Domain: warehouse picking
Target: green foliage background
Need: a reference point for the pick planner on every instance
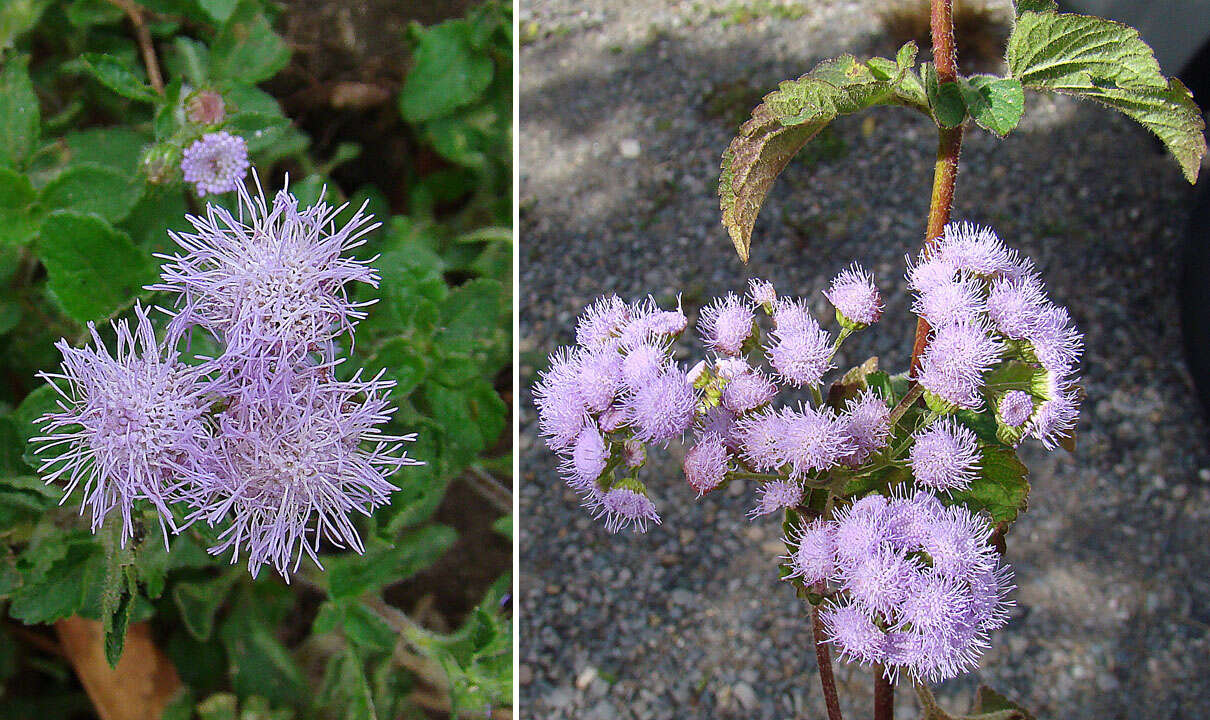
(80, 127)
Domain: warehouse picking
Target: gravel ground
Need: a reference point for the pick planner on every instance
(625, 109)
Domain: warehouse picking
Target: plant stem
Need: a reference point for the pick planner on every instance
(135, 13)
(884, 696)
(949, 145)
(913, 394)
(823, 658)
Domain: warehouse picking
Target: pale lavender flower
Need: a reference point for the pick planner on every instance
(814, 556)
(802, 355)
(1015, 407)
(730, 367)
(854, 634)
(130, 426)
(610, 420)
(602, 321)
(634, 453)
(880, 580)
(810, 439)
(861, 528)
(759, 437)
(762, 293)
(957, 543)
(721, 422)
(866, 422)
(977, 250)
(706, 463)
(1016, 305)
(561, 409)
(272, 283)
(643, 362)
(600, 377)
(587, 459)
(945, 456)
(289, 471)
(792, 315)
(748, 391)
(647, 321)
(854, 294)
(663, 408)
(950, 302)
(929, 273)
(726, 324)
(1056, 341)
(216, 163)
(776, 495)
(957, 356)
(1055, 419)
(622, 507)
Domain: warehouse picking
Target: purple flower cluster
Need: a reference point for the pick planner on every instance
(216, 163)
(914, 585)
(986, 305)
(615, 390)
(262, 440)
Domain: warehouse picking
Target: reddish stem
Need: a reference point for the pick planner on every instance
(823, 658)
(884, 696)
(949, 145)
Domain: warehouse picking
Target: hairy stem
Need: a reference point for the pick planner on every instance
(949, 145)
(135, 13)
(884, 696)
(913, 394)
(823, 658)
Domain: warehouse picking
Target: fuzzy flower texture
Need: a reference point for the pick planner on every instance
(261, 441)
(909, 578)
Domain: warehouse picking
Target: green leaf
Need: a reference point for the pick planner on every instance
(785, 121)
(199, 602)
(258, 661)
(88, 188)
(945, 99)
(16, 191)
(1024, 6)
(504, 526)
(94, 269)
(246, 48)
(996, 104)
(86, 13)
(1109, 63)
(20, 117)
(116, 148)
(1002, 487)
(350, 576)
(18, 17)
(994, 706)
(218, 10)
(448, 72)
(119, 76)
(345, 686)
(367, 629)
(57, 591)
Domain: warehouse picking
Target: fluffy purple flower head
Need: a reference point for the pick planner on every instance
(801, 356)
(748, 391)
(272, 284)
(814, 556)
(811, 439)
(855, 296)
(1055, 419)
(731, 367)
(129, 426)
(1015, 407)
(623, 507)
(978, 250)
(929, 273)
(1016, 305)
(762, 292)
(854, 634)
(602, 321)
(792, 315)
(587, 459)
(706, 463)
(867, 424)
(600, 377)
(759, 436)
(643, 362)
(945, 456)
(1056, 341)
(937, 611)
(216, 163)
(776, 495)
(663, 408)
(561, 409)
(721, 422)
(957, 356)
(290, 470)
(647, 321)
(950, 302)
(726, 324)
